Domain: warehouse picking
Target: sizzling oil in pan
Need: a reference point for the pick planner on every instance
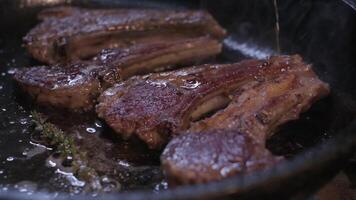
(29, 166)
(26, 166)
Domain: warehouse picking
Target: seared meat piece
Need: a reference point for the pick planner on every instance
(259, 108)
(77, 85)
(72, 33)
(212, 155)
(232, 141)
(156, 106)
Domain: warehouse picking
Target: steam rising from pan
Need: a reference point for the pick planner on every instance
(248, 49)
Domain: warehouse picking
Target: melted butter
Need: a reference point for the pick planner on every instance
(181, 73)
(157, 83)
(191, 84)
(109, 92)
(75, 80)
(71, 178)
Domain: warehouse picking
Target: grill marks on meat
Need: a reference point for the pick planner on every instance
(73, 33)
(232, 141)
(76, 86)
(157, 106)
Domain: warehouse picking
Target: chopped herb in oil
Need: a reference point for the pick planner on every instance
(63, 144)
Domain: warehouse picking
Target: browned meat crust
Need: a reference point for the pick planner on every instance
(156, 106)
(73, 87)
(258, 108)
(232, 141)
(212, 155)
(76, 86)
(72, 33)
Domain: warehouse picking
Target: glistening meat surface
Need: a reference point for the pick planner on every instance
(76, 86)
(212, 155)
(75, 33)
(158, 106)
(232, 141)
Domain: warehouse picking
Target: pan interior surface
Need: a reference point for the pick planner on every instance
(322, 32)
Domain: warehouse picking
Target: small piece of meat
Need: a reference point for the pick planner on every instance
(74, 87)
(68, 33)
(212, 155)
(232, 141)
(157, 106)
(77, 85)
